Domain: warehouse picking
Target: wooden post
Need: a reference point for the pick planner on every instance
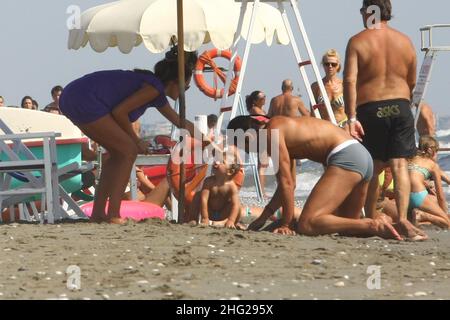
(181, 83)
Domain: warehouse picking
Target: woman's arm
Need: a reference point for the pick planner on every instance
(444, 176)
(136, 100)
(174, 117)
(436, 173)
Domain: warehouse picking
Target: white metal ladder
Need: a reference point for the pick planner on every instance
(237, 103)
(301, 63)
(431, 51)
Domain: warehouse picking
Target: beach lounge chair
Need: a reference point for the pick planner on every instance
(26, 177)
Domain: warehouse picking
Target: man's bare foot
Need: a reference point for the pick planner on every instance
(410, 232)
(385, 230)
(117, 220)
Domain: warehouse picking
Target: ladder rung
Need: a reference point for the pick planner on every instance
(304, 63)
(22, 191)
(317, 106)
(21, 165)
(226, 109)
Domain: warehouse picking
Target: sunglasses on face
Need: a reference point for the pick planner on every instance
(330, 64)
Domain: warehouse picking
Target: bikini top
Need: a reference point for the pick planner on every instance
(426, 173)
(336, 103)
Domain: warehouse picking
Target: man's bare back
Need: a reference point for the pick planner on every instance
(426, 124)
(382, 62)
(287, 105)
(308, 138)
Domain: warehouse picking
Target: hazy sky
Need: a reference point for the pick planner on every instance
(34, 55)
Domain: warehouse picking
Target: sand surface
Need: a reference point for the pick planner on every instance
(160, 260)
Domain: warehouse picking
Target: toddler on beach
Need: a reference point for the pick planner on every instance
(218, 201)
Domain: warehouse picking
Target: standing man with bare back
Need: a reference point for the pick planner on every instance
(286, 104)
(379, 77)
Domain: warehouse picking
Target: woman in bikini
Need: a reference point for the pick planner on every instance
(421, 168)
(331, 62)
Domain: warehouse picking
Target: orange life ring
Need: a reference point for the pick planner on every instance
(195, 173)
(207, 59)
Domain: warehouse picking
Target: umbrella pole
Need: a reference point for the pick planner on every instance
(182, 105)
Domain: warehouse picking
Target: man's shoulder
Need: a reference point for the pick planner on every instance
(278, 97)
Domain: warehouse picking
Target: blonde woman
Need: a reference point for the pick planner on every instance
(331, 62)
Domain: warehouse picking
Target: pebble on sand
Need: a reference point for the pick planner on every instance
(432, 263)
(316, 261)
(420, 294)
(339, 284)
(408, 284)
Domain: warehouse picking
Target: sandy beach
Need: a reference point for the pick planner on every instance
(160, 260)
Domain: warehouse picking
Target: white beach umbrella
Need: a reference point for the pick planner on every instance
(128, 23)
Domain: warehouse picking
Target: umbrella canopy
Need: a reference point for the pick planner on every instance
(128, 23)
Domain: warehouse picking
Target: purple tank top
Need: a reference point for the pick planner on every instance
(108, 88)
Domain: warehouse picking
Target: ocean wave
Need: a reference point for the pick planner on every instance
(443, 133)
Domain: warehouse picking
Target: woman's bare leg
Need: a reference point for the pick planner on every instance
(116, 170)
(431, 207)
(159, 195)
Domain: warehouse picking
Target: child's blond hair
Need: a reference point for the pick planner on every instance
(427, 144)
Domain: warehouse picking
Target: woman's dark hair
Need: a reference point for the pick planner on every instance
(246, 122)
(25, 98)
(251, 99)
(167, 69)
(384, 5)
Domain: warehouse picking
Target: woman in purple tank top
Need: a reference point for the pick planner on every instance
(104, 104)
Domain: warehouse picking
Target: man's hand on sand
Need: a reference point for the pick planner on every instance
(257, 224)
(356, 130)
(384, 229)
(284, 231)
